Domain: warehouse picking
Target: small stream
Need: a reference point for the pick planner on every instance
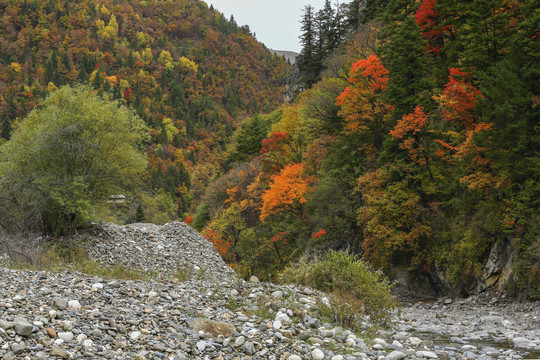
(485, 326)
(491, 347)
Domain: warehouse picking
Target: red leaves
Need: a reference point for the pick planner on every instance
(274, 143)
(411, 124)
(319, 233)
(280, 237)
(459, 99)
(127, 94)
(189, 220)
(362, 105)
(222, 245)
(427, 18)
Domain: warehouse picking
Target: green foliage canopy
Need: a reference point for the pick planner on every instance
(72, 151)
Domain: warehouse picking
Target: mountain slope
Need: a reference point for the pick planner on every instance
(188, 72)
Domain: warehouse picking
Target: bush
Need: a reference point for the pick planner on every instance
(343, 309)
(344, 275)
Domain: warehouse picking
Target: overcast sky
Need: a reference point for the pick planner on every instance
(275, 22)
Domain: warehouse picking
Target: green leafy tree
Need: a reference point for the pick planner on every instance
(249, 139)
(73, 151)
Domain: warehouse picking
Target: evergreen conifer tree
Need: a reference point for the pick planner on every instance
(404, 55)
(139, 214)
(6, 129)
(309, 61)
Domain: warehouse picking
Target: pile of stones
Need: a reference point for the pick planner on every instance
(163, 251)
(216, 315)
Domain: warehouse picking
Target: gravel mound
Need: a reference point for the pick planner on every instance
(216, 315)
(164, 250)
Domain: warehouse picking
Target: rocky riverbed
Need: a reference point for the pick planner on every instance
(215, 315)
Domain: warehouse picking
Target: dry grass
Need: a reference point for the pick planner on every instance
(31, 252)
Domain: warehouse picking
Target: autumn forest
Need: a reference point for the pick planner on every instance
(406, 132)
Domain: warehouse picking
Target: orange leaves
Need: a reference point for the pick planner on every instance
(319, 233)
(222, 245)
(362, 105)
(287, 190)
(413, 122)
(371, 69)
(459, 99)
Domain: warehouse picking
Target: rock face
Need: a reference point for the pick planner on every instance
(215, 315)
(496, 273)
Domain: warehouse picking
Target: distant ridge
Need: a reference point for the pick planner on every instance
(289, 55)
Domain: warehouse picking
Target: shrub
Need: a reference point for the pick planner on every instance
(346, 276)
(343, 309)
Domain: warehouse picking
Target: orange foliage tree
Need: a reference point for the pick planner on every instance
(286, 193)
(362, 104)
(407, 129)
(222, 245)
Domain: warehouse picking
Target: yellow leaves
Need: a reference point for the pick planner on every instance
(15, 68)
(124, 85)
(112, 80)
(169, 128)
(100, 24)
(147, 55)
(391, 217)
(164, 57)
(104, 11)
(187, 65)
(287, 189)
(51, 87)
(142, 38)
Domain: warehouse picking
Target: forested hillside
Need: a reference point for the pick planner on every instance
(411, 138)
(188, 72)
(415, 143)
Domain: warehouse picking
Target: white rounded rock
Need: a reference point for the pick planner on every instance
(74, 304)
(66, 336)
(350, 342)
(317, 354)
(283, 317)
(201, 345)
(136, 335)
(240, 341)
(97, 286)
